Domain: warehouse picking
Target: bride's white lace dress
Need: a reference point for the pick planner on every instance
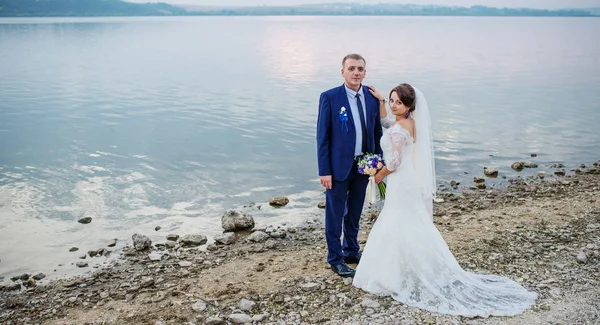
(406, 258)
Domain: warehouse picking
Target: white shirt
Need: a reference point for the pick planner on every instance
(356, 117)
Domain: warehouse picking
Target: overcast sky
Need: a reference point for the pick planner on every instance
(549, 4)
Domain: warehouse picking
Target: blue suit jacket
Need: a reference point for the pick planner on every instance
(335, 144)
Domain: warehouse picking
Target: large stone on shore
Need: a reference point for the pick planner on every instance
(246, 305)
(39, 276)
(74, 283)
(213, 320)
(155, 256)
(234, 220)
(369, 303)
(271, 244)
(490, 172)
(240, 319)
(276, 232)
(310, 286)
(147, 282)
(13, 287)
(518, 166)
(193, 240)
(141, 242)
(112, 243)
(279, 201)
(582, 258)
(85, 220)
(185, 263)
(225, 239)
(478, 180)
(199, 306)
(258, 237)
(594, 171)
(454, 184)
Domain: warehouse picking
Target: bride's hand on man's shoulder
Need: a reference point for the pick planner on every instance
(375, 92)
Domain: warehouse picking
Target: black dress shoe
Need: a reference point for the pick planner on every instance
(352, 259)
(343, 270)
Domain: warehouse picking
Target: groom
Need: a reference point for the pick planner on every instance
(348, 126)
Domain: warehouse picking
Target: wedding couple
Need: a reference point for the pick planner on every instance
(405, 256)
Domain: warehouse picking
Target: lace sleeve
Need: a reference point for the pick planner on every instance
(398, 137)
(388, 121)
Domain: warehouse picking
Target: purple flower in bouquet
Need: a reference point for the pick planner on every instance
(369, 164)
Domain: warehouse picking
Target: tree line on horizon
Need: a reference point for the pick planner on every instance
(78, 8)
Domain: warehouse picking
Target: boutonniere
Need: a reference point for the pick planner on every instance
(344, 118)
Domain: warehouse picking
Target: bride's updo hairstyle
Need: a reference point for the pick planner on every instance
(406, 93)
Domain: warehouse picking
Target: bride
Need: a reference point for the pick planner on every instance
(405, 256)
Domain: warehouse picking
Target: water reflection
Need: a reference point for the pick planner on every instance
(290, 53)
(159, 121)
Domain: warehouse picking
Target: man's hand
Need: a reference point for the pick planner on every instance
(326, 181)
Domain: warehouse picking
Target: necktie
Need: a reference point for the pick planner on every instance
(362, 123)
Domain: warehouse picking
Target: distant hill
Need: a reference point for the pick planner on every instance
(593, 11)
(382, 9)
(61, 8)
(87, 8)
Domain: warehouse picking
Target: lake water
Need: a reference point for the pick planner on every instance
(144, 122)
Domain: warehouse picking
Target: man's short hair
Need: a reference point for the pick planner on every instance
(353, 56)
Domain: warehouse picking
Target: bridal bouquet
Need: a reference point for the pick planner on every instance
(369, 164)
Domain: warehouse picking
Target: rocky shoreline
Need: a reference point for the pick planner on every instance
(544, 233)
